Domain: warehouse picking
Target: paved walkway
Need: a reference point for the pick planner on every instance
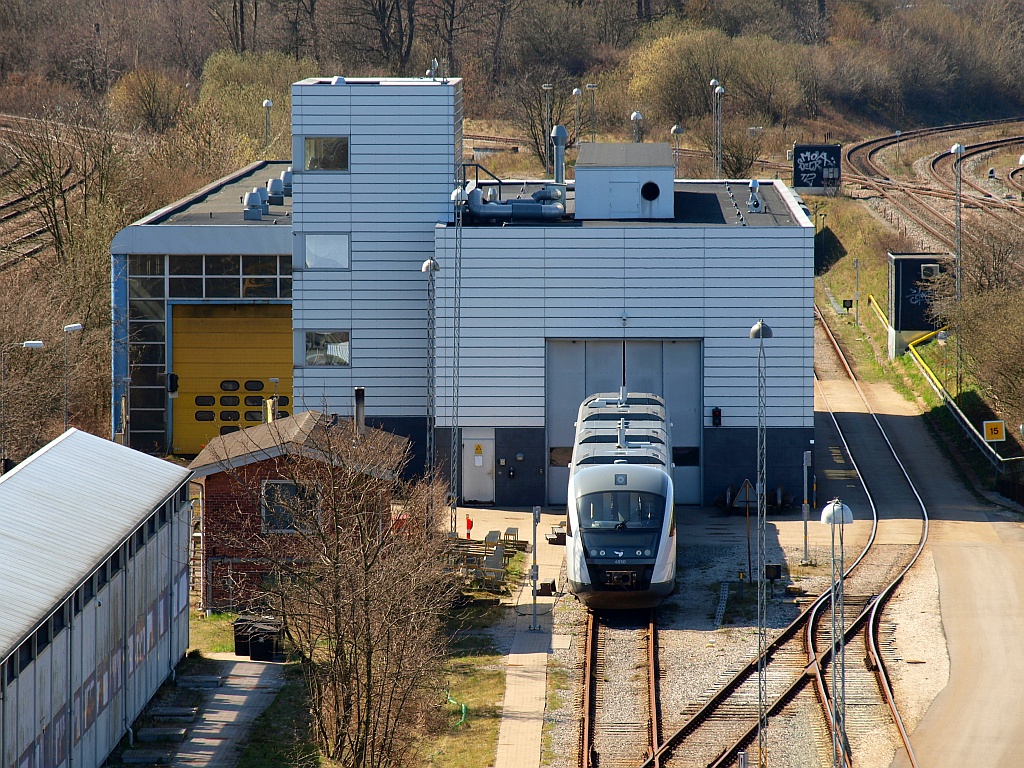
(522, 718)
(215, 739)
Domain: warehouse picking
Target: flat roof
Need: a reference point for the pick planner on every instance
(697, 203)
(620, 155)
(62, 512)
(220, 203)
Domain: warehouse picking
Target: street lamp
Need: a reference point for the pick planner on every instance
(576, 95)
(638, 127)
(68, 329)
(761, 331)
(1020, 162)
(717, 91)
(832, 514)
(898, 132)
(3, 394)
(267, 104)
(430, 268)
(957, 150)
(592, 87)
(547, 88)
(676, 132)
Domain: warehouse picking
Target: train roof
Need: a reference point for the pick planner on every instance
(622, 427)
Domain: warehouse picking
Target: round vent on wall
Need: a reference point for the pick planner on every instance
(650, 191)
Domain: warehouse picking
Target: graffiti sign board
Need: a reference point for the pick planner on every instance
(817, 168)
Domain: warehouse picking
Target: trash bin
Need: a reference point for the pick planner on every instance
(264, 639)
(243, 630)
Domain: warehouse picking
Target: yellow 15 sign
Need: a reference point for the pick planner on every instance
(995, 431)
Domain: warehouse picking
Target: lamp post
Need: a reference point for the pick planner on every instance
(676, 132)
(1020, 178)
(717, 92)
(267, 104)
(832, 514)
(68, 329)
(430, 268)
(761, 331)
(957, 150)
(576, 95)
(637, 120)
(898, 132)
(3, 394)
(547, 88)
(592, 87)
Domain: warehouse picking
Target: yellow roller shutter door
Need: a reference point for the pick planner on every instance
(225, 356)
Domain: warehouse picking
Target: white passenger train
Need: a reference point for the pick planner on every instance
(621, 531)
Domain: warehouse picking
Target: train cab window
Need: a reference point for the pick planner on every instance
(621, 510)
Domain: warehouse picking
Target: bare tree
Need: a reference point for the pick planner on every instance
(352, 558)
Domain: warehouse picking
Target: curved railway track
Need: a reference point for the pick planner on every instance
(926, 204)
(714, 731)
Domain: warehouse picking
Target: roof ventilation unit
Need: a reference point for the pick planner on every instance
(286, 179)
(253, 210)
(754, 201)
(275, 192)
(264, 199)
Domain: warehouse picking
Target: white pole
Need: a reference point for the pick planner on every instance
(536, 519)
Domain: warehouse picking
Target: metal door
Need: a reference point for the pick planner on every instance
(478, 470)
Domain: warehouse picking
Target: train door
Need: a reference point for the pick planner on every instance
(478, 466)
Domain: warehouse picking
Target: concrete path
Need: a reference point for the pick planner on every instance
(522, 717)
(216, 737)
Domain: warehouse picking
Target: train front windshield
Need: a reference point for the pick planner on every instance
(621, 510)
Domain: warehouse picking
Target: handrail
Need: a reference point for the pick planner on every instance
(991, 454)
(479, 168)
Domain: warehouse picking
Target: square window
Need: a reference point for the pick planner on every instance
(223, 265)
(326, 251)
(326, 153)
(280, 504)
(327, 348)
(222, 287)
(145, 264)
(185, 265)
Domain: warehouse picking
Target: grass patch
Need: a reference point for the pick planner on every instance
(477, 680)
(558, 692)
(212, 634)
(282, 734)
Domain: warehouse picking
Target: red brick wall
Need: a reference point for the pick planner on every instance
(231, 514)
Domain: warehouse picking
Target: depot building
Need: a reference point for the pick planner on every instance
(378, 258)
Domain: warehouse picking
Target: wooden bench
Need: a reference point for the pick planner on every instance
(557, 535)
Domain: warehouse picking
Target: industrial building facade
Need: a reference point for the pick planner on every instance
(94, 584)
(557, 289)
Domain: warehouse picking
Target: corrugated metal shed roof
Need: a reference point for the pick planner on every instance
(62, 511)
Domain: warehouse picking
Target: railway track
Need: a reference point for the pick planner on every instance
(798, 661)
(620, 722)
(928, 205)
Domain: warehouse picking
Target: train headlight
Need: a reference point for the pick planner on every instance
(647, 553)
(593, 553)
(638, 553)
(602, 553)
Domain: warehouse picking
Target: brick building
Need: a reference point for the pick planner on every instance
(246, 489)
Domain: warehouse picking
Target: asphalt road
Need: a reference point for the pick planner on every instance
(978, 551)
